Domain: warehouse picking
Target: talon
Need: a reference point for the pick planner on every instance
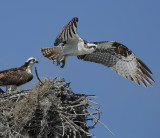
(62, 66)
(58, 63)
(63, 63)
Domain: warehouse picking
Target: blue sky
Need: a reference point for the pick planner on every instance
(128, 110)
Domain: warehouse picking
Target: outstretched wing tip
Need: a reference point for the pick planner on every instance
(76, 19)
(67, 32)
(144, 66)
(143, 74)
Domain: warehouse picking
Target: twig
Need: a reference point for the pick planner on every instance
(103, 125)
(38, 76)
(93, 102)
(95, 122)
(86, 114)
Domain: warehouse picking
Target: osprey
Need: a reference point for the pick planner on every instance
(109, 53)
(14, 77)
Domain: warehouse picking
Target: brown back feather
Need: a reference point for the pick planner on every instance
(15, 76)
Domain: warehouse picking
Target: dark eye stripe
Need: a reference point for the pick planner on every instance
(32, 60)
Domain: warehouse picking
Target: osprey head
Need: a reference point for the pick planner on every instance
(32, 60)
(91, 45)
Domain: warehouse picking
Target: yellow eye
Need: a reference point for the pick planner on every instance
(33, 60)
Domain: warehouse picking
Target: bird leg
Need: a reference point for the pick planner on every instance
(60, 59)
(58, 62)
(19, 88)
(64, 61)
(10, 88)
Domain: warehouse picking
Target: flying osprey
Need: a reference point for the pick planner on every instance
(109, 53)
(14, 77)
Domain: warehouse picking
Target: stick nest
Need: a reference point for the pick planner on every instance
(50, 110)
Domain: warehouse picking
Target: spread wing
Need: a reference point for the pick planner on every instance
(14, 77)
(68, 34)
(119, 58)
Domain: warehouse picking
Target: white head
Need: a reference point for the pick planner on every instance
(31, 61)
(91, 45)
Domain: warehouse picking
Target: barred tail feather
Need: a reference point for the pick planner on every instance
(51, 52)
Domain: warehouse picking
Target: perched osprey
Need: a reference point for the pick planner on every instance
(14, 77)
(109, 53)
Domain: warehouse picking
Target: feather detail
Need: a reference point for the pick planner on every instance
(68, 33)
(123, 61)
(52, 52)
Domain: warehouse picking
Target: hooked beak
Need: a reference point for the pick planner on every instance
(36, 61)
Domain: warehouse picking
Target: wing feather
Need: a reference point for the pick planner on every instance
(51, 52)
(144, 77)
(14, 77)
(136, 80)
(69, 33)
(120, 59)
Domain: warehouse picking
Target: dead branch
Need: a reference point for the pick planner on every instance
(38, 76)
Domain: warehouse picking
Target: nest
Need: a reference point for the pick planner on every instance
(49, 110)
